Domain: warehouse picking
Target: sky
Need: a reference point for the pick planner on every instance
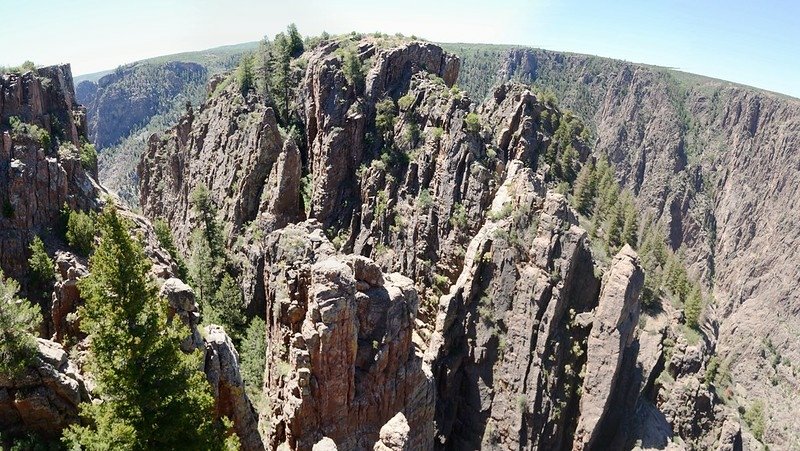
(749, 42)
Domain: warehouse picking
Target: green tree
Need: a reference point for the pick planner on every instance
(613, 229)
(81, 230)
(88, 155)
(226, 308)
(41, 266)
(153, 395)
(353, 68)
(295, 41)
(19, 320)
(584, 193)
(245, 76)
(630, 222)
(569, 158)
(473, 123)
(254, 359)
(693, 308)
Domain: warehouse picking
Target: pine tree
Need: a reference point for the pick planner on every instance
(584, 193)
(254, 359)
(19, 319)
(295, 41)
(613, 229)
(693, 308)
(226, 308)
(280, 85)
(568, 160)
(244, 75)
(153, 395)
(41, 266)
(630, 222)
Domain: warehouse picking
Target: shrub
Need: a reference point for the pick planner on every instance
(425, 200)
(81, 230)
(88, 155)
(352, 66)
(19, 319)
(42, 269)
(459, 217)
(406, 102)
(385, 117)
(473, 123)
(22, 130)
(754, 417)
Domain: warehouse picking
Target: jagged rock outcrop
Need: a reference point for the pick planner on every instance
(181, 300)
(715, 163)
(338, 113)
(394, 435)
(40, 168)
(45, 398)
(222, 370)
(341, 356)
(233, 146)
(66, 296)
(611, 354)
(438, 196)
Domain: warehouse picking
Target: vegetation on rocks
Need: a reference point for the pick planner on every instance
(19, 321)
(81, 230)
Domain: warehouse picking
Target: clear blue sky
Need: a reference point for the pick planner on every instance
(754, 43)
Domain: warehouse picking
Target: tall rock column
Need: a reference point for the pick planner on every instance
(611, 352)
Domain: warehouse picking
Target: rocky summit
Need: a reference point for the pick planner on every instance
(355, 253)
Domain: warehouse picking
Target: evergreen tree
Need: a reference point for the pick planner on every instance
(42, 268)
(613, 229)
(254, 359)
(244, 75)
(226, 308)
(693, 308)
(630, 222)
(153, 395)
(280, 84)
(569, 159)
(584, 193)
(263, 64)
(295, 41)
(19, 320)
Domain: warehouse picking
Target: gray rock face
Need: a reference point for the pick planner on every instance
(716, 163)
(231, 146)
(66, 296)
(45, 398)
(338, 114)
(609, 347)
(222, 370)
(181, 301)
(37, 178)
(341, 358)
(119, 101)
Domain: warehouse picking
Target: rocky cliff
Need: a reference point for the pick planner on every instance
(42, 127)
(716, 165)
(44, 174)
(124, 107)
(424, 285)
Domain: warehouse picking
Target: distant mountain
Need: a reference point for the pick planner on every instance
(128, 104)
